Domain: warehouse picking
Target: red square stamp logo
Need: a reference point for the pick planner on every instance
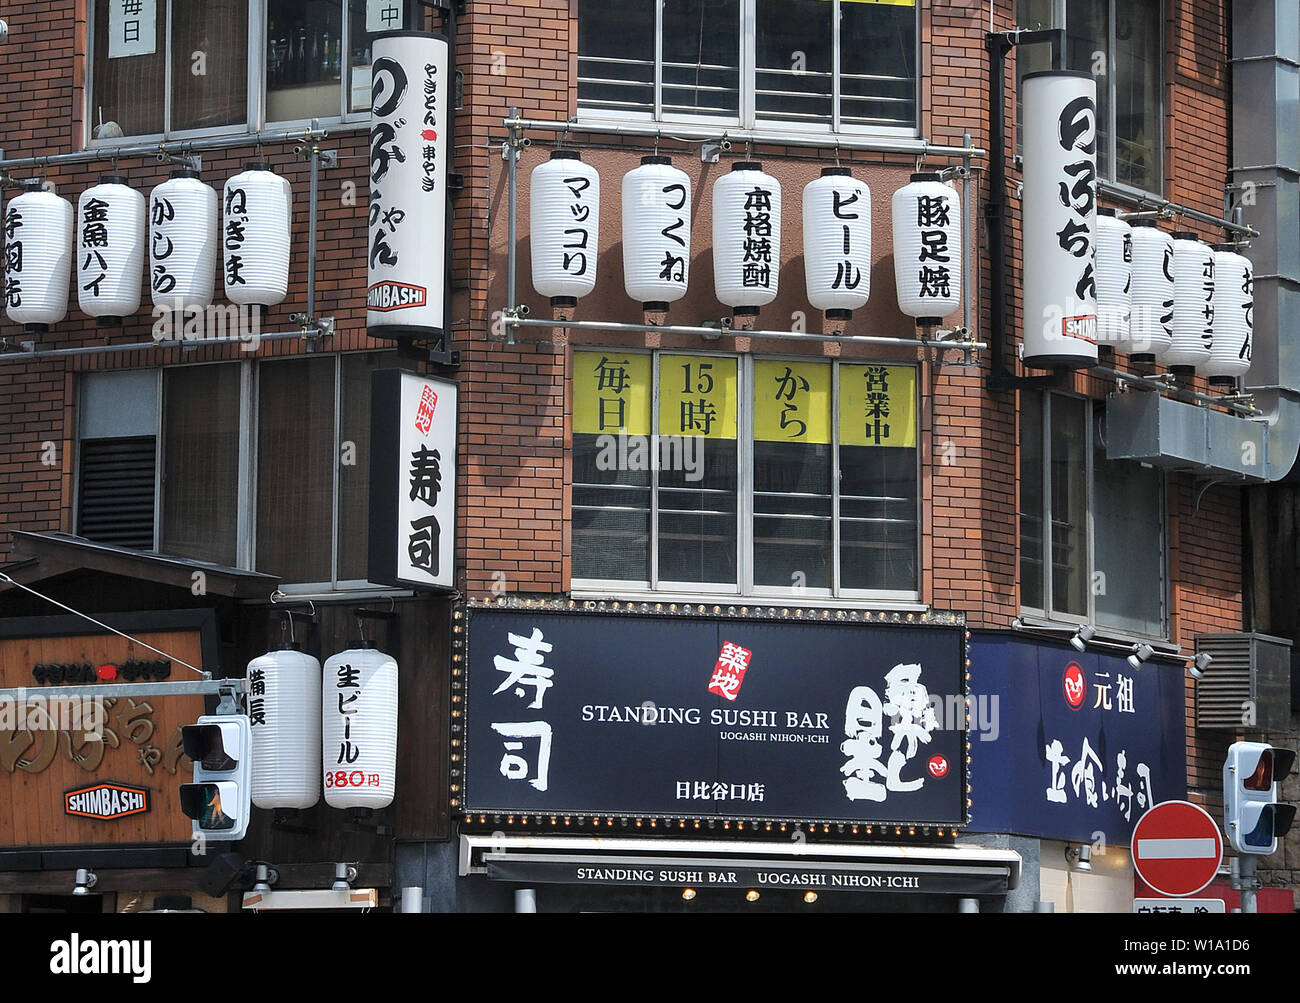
(424, 416)
(729, 672)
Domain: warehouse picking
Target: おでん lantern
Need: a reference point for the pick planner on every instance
(837, 242)
(257, 208)
(284, 694)
(1114, 279)
(927, 249)
(359, 728)
(1193, 327)
(656, 232)
(1059, 205)
(746, 238)
(110, 250)
(564, 227)
(38, 258)
(1152, 316)
(182, 241)
(1234, 316)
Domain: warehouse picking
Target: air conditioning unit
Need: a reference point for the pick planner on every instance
(1247, 686)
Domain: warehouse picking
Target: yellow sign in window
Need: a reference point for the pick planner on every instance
(697, 396)
(792, 401)
(877, 405)
(611, 393)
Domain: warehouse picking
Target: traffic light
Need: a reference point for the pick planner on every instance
(1252, 816)
(219, 800)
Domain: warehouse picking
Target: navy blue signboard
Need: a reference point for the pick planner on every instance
(676, 716)
(1070, 745)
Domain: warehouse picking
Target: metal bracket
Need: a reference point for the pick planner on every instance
(314, 329)
(434, 352)
(455, 181)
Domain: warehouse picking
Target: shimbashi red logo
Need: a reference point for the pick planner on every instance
(1073, 685)
(729, 672)
(938, 766)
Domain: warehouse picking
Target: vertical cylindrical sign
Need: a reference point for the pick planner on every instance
(1060, 204)
(410, 113)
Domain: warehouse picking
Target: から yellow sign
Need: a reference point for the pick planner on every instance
(697, 396)
(792, 401)
(611, 393)
(877, 405)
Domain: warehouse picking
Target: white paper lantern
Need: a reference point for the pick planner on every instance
(1114, 279)
(746, 238)
(564, 227)
(1152, 317)
(284, 694)
(359, 728)
(1234, 316)
(257, 208)
(38, 258)
(927, 249)
(410, 111)
(837, 242)
(110, 250)
(1059, 205)
(656, 233)
(1193, 330)
(183, 241)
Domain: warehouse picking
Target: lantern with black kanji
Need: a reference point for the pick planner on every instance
(38, 231)
(256, 219)
(746, 238)
(1152, 317)
(927, 249)
(1234, 316)
(1193, 328)
(837, 242)
(1114, 278)
(284, 710)
(110, 250)
(359, 727)
(656, 232)
(183, 241)
(564, 227)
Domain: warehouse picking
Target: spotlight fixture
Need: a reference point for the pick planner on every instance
(688, 894)
(1082, 636)
(86, 879)
(344, 875)
(1079, 857)
(751, 896)
(810, 897)
(1196, 668)
(1141, 652)
(1017, 624)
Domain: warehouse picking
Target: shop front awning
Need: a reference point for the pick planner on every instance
(664, 863)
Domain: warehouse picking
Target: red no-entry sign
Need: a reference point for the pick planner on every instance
(1177, 848)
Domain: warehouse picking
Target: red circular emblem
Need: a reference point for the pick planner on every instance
(429, 134)
(107, 671)
(1074, 685)
(938, 766)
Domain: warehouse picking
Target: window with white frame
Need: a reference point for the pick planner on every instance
(168, 67)
(712, 473)
(260, 465)
(1120, 43)
(820, 63)
(1105, 519)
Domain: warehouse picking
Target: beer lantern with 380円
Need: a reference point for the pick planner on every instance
(1059, 210)
(359, 727)
(410, 115)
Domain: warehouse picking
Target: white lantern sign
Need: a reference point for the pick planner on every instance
(746, 238)
(927, 249)
(410, 116)
(1114, 279)
(656, 233)
(564, 227)
(837, 242)
(256, 226)
(1193, 330)
(1234, 316)
(182, 242)
(1152, 318)
(284, 712)
(1059, 202)
(38, 258)
(110, 250)
(359, 728)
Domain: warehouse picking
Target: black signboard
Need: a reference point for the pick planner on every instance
(671, 716)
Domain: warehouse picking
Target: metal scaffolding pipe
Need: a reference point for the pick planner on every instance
(1162, 387)
(139, 346)
(1160, 205)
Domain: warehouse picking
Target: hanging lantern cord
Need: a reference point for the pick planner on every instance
(657, 132)
(837, 151)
